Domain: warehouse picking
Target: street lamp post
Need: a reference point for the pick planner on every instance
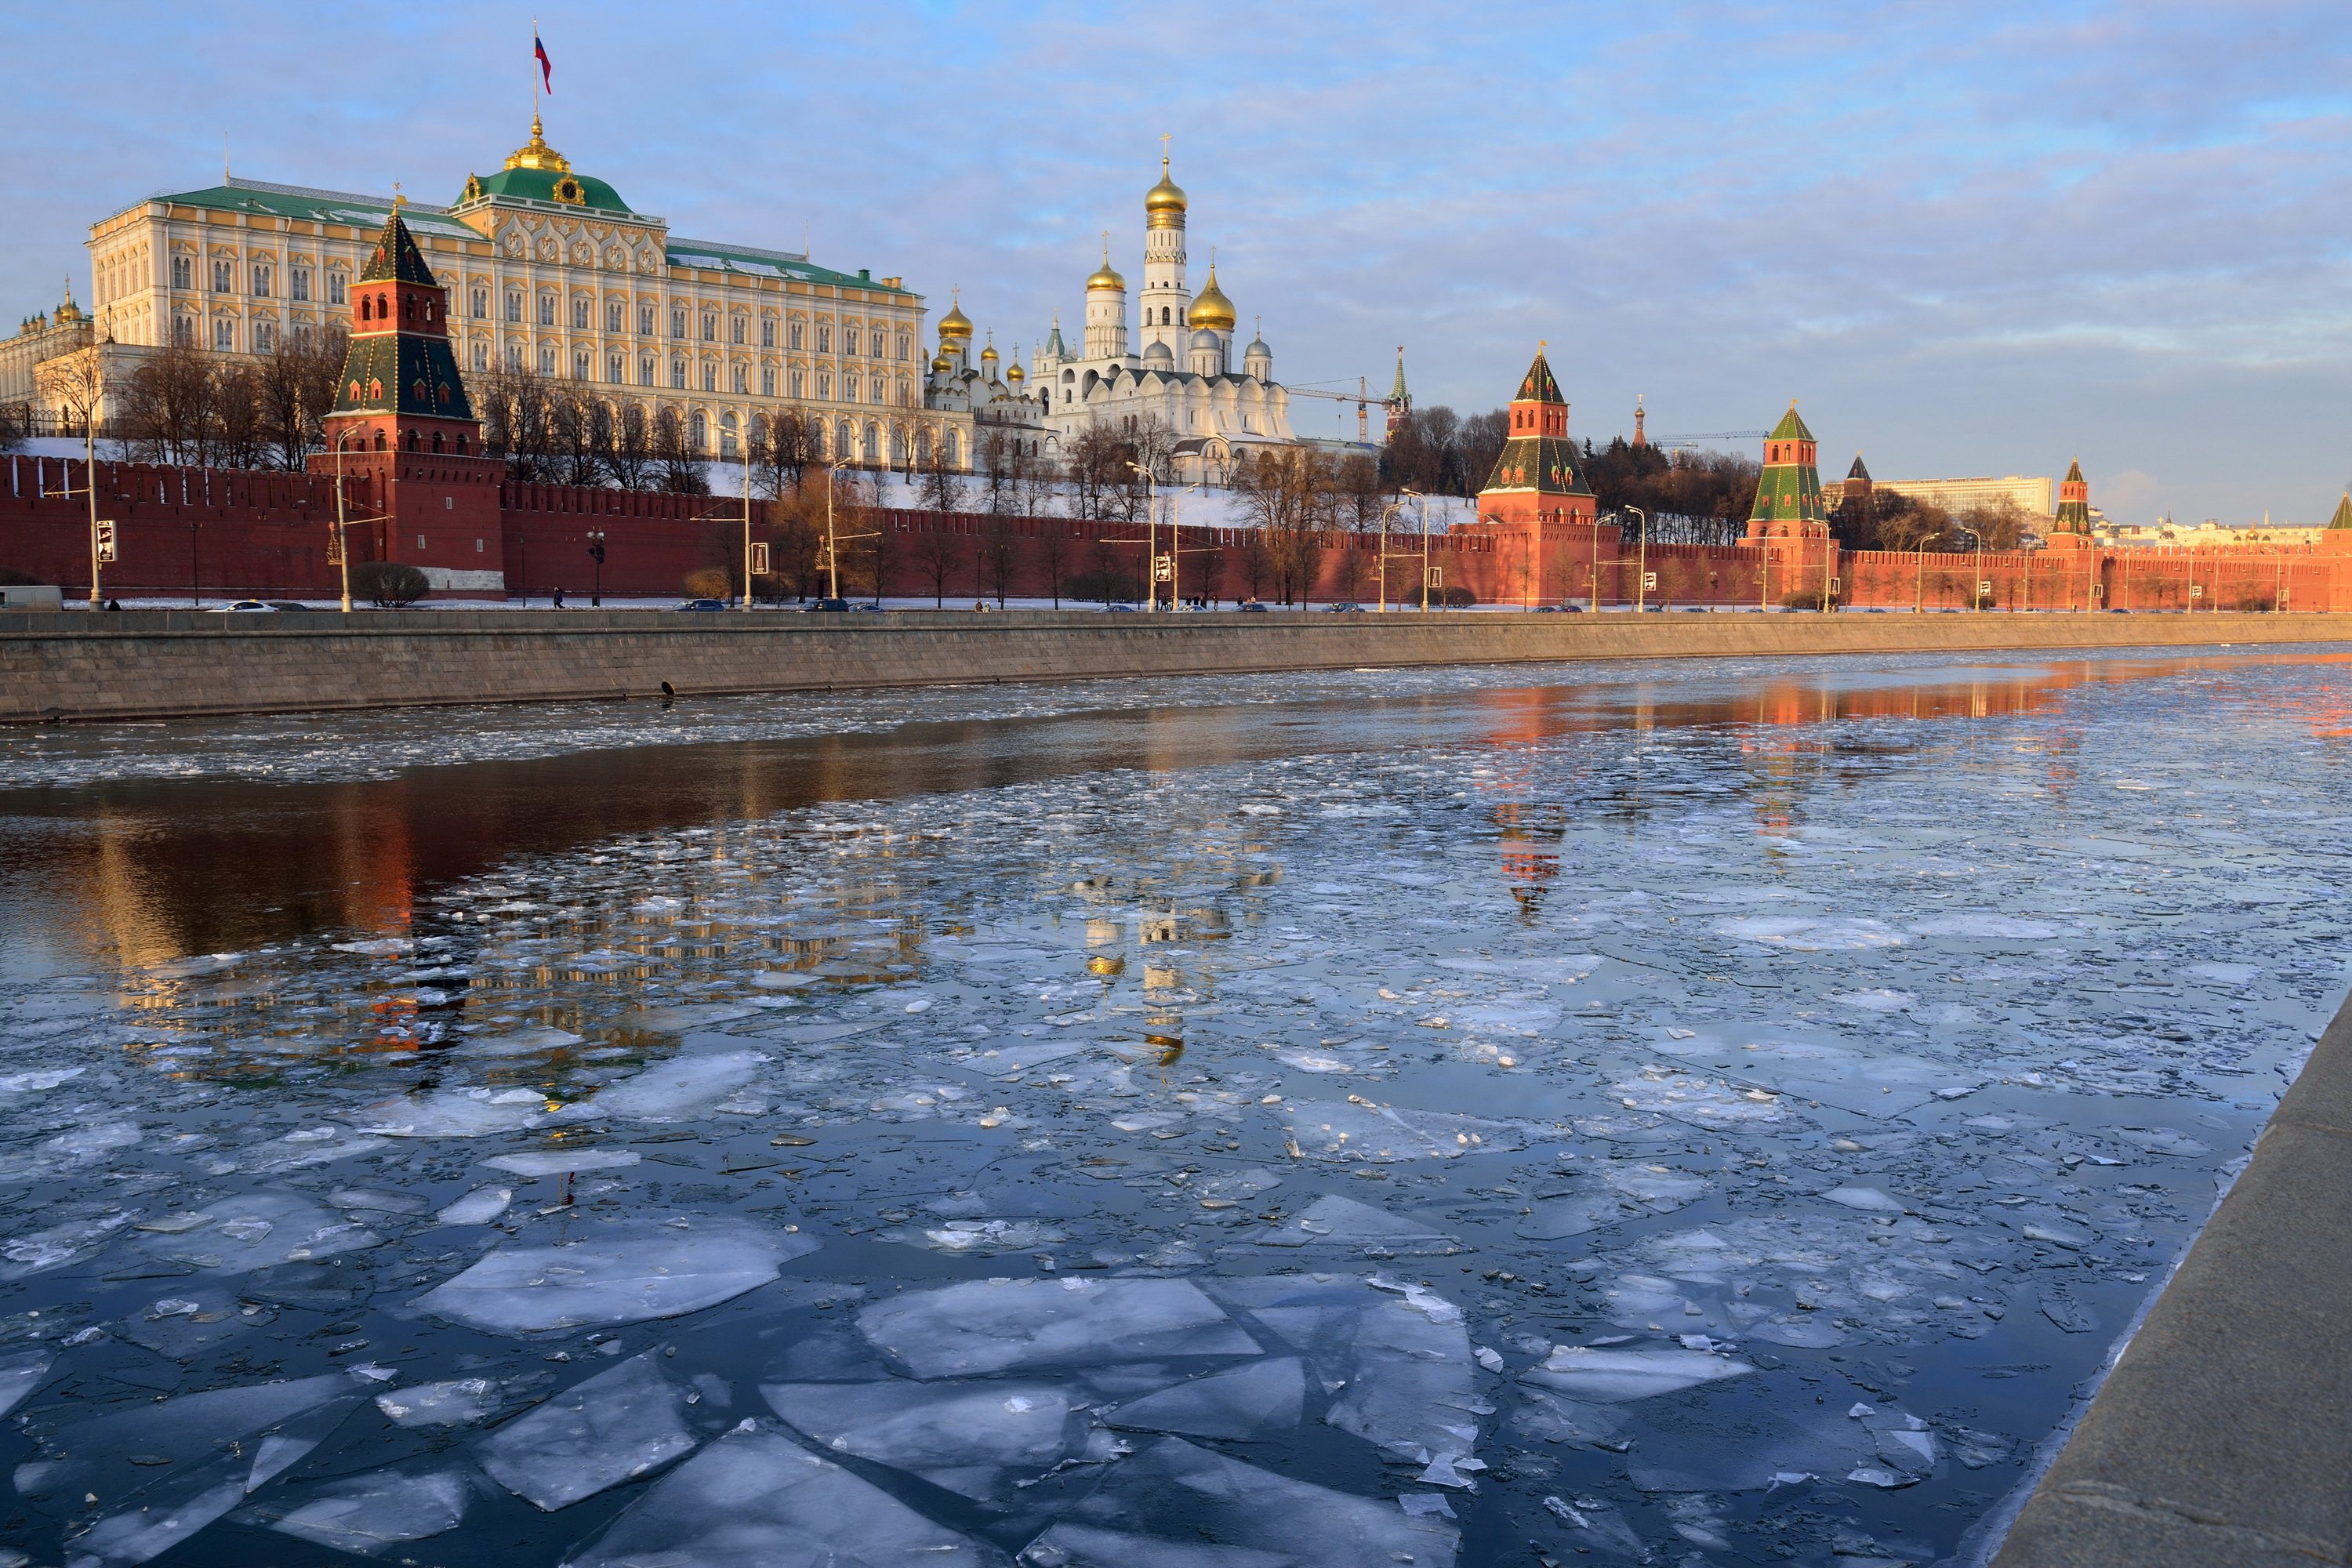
(1390, 511)
(1421, 502)
(832, 553)
(1151, 537)
(344, 534)
(1642, 571)
(597, 554)
(1975, 587)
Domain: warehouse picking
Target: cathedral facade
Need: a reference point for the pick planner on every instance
(1174, 363)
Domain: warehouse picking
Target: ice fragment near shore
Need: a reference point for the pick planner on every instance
(626, 1277)
(616, 1425)
(451, 1113)
(980, 1327)
(755, 1498)
(19, 1376)
(1251, 1400)
(365, 1514)
(479, 1206)
(452, 1402)
(1176, 1506)
(971, 1439)
(1614, 1376)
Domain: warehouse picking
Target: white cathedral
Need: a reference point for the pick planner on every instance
(1177, 368)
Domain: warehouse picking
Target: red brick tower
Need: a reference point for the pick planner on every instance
(1537, 478)
(403, 429)
(1789, 493)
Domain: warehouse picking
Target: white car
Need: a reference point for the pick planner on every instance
(245, 606)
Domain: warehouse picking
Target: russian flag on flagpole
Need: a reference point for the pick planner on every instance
(546, 66)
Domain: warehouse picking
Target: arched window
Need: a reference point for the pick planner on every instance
(797, 326)
(710, 326)
(736, 327)
(898, 448)
(824, 337)
(876, 345)
(514, 304)
(699, 431)
(797, 383)
(580, 365)
(844, 441)
(742, 378)
(952, 448)
(580, 315)
(546, 361)
(547, 310)
(727, 445)
(612, 315)
(768, 333)
(872, 450)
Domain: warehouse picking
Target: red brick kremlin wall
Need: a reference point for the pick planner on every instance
(267, 534)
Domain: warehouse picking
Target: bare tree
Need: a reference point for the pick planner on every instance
(1054, 555)
(296, 388)
(997, 557)
(239, 421)
(1096, 472)
(938, 554)
(1287, 492)
(168, 411)
(629, 458)
(937, 484)
(677, 467)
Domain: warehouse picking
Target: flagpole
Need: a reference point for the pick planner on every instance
(534, 66)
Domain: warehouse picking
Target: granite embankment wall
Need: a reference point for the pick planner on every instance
(78, 665)
(2222, 1437)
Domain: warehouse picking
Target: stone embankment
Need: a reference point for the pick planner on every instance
(147, 664)
(2222, 1437)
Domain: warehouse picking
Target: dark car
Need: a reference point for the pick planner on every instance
(1347, 609)
(1118, 609)
(1254, 608)
(826, 606)
(704, 605)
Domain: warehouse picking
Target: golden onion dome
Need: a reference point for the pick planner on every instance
(955, 323)
(1106, 276)
(1014, 373)
(1210, 307)
(988, 355)
(943, 365)
(1164, 203)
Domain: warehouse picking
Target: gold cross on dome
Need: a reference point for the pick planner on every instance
(1163, 147)
(398, 201)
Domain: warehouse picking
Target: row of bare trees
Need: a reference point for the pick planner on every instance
(185, 407)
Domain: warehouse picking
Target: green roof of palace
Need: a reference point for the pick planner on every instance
(1791, 427)
(352, 210)
(541, 185)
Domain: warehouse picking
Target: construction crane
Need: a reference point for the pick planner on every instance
(1361, 397)
(1689, 443)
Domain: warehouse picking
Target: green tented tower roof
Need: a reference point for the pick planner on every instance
(2343, 518)
(1537, 386)
(1791, 427)
(397, 258)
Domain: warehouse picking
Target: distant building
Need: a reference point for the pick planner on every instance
(2030, 494)
(50, 335)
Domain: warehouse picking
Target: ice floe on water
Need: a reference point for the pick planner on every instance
(1397, 1134)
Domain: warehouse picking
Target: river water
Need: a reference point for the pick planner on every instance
(1698, 1113)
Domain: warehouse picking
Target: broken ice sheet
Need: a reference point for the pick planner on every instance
(1612, 1376)
(1174, 1505)
(685, 1086)
(452, 1402)
(625, 1275)
(1350, 1130)
(755, 1498)
(1255, 1400)
(20, 1374)
(980, 1327)
(619, 1423)
(365, 1514)
(975, 1439)
(1341, 1224)
(1868, 1083)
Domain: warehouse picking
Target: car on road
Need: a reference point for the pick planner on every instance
(704, 605)
(825, 607)
(244, 607)
(1118, 609)
(1345, 609)
(1252, 607)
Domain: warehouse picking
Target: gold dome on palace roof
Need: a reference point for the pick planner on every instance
(1106, 276)
(536, 153)
(1164, 203)
(1014, 372)
(1210, 307)
(989, 352)
(955, 323)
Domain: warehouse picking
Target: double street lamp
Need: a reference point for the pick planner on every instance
(597, 554)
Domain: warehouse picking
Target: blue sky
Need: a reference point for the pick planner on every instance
(1970, 239)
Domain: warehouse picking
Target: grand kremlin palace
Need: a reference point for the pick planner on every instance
(548, 269)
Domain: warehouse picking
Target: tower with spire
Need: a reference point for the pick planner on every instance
(400, 389)
(1537, 478)
(1789, 491)
(1399, 402)
(2073, 501)
(1640, 435)
(1166, 304)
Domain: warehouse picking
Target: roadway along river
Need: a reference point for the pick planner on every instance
(1706, 1112)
